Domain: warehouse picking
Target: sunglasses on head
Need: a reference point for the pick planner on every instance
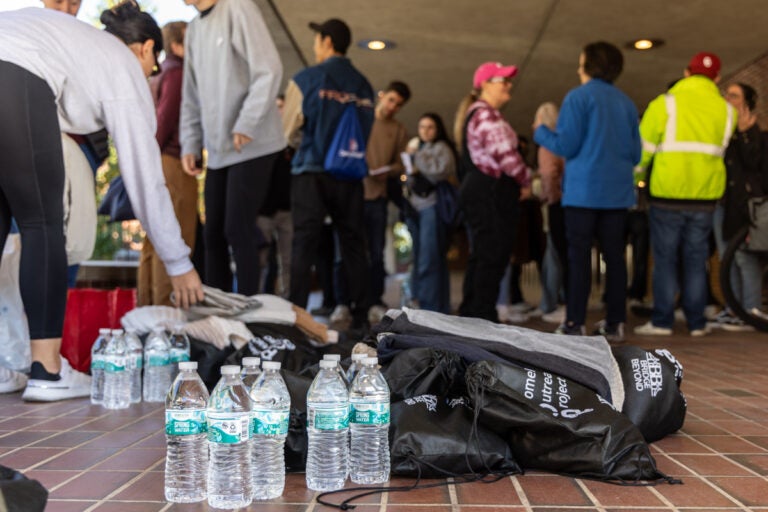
(500, 80)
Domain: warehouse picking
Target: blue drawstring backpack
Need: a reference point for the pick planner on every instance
(345, 158)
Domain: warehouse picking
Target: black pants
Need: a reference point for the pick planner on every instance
(234, 196)
(491, 211)
(557, 233)
(313, 196)
(31, 191)
(638, 234)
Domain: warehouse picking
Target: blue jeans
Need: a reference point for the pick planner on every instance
(671, 231)
(551, 278)
(746, 274)
(429, 274)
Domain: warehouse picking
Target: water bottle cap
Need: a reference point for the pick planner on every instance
(327, 364)
(358, 356)
(117, 332)
(271, 365)
(187, 365)
(371, 361)
(251, 361)
(332, 357)
(105, 330)
(231, 369)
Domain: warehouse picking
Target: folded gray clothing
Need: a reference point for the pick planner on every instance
(587, 360)
(223, 304)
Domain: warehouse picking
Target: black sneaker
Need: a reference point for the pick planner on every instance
(614, 333)
(570, 329)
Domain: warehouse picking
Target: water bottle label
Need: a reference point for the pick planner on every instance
(228, 428)
(270, 423)
(159, 360)
(113, 367)
(371, 413)
(97, 364)
(336, 418)
(139, 361)
(189, 422)
(179, 355)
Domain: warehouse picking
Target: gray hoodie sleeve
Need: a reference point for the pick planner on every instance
(252, 41)
(190, 125)
(435, 161)
(132, 127)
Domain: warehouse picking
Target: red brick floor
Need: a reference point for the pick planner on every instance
(93, 459)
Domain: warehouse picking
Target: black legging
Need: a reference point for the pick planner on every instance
(234, 196)
(31, 191)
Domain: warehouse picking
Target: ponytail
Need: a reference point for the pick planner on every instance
(461, 117)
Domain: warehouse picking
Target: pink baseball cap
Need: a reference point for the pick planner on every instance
(705, 63)
(489, 70)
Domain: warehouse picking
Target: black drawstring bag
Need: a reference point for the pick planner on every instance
(433, 431)
(556, 425)
(20, 494)
(652, 397)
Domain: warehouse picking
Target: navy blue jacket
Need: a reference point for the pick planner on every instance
(326, 89)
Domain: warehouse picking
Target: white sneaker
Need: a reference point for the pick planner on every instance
(503, 311)
(555, 317)
(520, 307)
(70, 384)
(759, 314)
(341, 314)
(697, 333)
(536, 313)
(648, 329)
(11, 381)
(517, 318)
(376, 313)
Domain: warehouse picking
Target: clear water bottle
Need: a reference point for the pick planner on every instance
(250, 372)
(179, 349)
(186, 459)
(271, 409)
(336, 358)
(135, 363)
(327, 430)
(97, 366)
(229, 439)
(157, 366)
(117, 377)
(354, 367)
(369, 425)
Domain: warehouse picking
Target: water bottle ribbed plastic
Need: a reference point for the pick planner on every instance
(136, 362)
(337, 359)
(186, 459)
(354, 367)
(97, 366)
(369, 425)
(229, 439)
(327, 430)
(271, 409)
(250, 372)
(157, 366)
(179, 349)
(117, 377)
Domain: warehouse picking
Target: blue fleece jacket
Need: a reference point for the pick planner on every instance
(597, 134)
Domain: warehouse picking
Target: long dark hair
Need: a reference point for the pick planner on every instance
(442, 133)
(127, 21)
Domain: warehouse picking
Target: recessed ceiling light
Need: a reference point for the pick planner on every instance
(376, 44)
(644, 44)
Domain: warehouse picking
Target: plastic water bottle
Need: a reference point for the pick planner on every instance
(336, 358)
(327, 430)
(179, 349)
(369, 425)
(186, 459)
(250, 372)
(271, 409)
(354, 367)
(97, 366)
(157, 366)
(135, 363)
(117, 378)
(229, 439)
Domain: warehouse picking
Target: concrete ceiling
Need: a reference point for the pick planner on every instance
(441, 42)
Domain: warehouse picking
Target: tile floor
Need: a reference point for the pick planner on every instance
(93, 459)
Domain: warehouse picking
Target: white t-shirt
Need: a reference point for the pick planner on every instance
(98, 83)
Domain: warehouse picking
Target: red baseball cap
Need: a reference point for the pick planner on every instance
(705, 63)
(490, 70)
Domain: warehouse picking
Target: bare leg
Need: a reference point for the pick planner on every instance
(46, 352)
